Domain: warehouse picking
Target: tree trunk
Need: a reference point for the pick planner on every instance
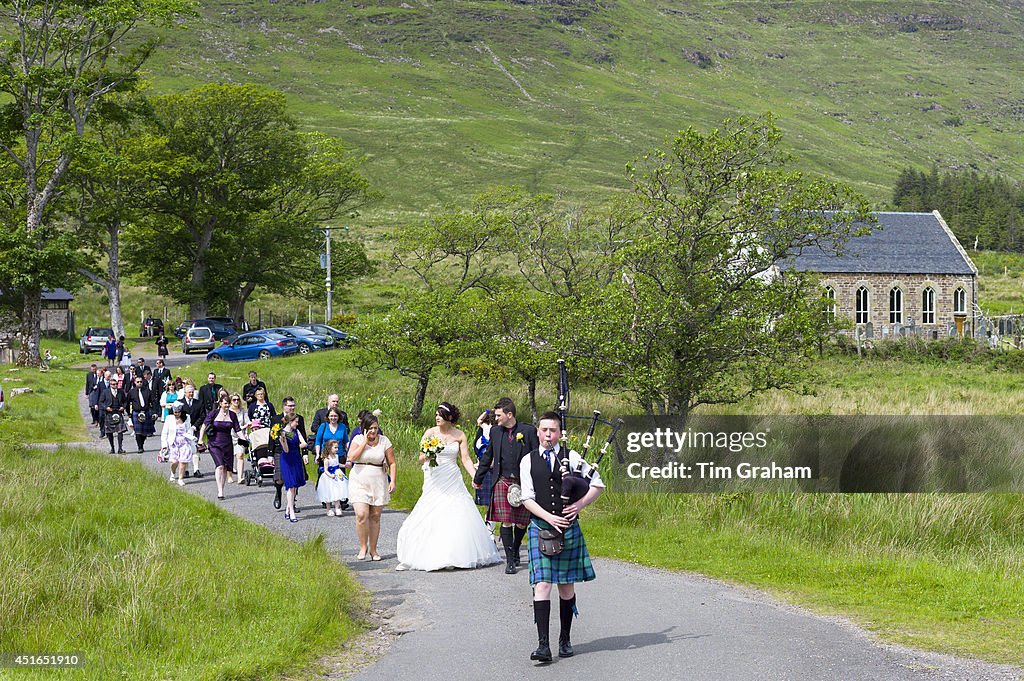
(531, 391)
(197, 305)
(113, 282)
(31, 321)
(236, 305)
(421, 395)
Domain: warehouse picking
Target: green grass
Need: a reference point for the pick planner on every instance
(104, 558)
(1000, 281)
(50, 412)
(863, 89)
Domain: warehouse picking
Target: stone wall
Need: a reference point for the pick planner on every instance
(912, 285)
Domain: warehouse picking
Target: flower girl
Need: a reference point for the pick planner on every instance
(333, 485)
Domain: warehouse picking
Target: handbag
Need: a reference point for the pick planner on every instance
(551, 542)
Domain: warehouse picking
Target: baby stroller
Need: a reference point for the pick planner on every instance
(261, 459)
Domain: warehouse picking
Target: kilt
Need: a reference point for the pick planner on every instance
(109, 427)
(143, 423)
(500, 511)
(483, 495)
(570, 566)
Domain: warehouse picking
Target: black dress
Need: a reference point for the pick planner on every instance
(161, 346)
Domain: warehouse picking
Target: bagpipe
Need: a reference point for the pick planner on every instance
(575, 483)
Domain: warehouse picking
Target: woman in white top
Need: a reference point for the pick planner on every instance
(369, 486)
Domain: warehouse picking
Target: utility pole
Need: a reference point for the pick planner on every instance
(330, 287)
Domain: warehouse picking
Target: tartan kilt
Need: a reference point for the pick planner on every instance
(570, 566)
(143, 423)
(500, 511)
(483, 495)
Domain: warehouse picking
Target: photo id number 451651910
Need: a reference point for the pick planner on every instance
(46, 660)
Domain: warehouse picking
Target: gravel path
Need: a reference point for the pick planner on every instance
(635, 622)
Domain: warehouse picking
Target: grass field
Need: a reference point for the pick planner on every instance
(938, 571)
(447, 99)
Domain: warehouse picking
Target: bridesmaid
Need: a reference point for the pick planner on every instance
(293, 468)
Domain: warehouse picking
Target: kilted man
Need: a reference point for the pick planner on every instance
(541, 476)
(510, 441)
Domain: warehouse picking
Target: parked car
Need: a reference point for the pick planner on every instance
(183, 327)
(94, 338)
(198, 338)
(218, 326)
(341, 338)
(306, 339)
(151, 326)
(254, 345)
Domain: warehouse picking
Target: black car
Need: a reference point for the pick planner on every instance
(218, 326)
(341, 338)
(151, 326)
(183, 327)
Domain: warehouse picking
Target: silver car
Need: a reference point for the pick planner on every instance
(198, 338)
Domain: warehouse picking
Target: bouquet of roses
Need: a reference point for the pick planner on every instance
(430, 447)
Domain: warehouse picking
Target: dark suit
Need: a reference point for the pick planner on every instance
(194, 410)
(208, 397)
(90, 386)
(506, 450)
(249, 391)
(111, 402)
(160, 376)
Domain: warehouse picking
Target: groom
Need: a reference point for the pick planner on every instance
(510, 442)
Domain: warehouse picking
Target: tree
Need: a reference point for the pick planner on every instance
(703, 309)
(240, 199)
(66, 56)
(427, 330)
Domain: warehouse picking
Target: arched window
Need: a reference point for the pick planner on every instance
(959, 301)
(896, 305)
(863, 305)
(928, 306)
(830, 304)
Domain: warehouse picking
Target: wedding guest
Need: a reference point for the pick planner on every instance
(261, 409)
(320, 417)
(140, 403)
(161, 346)
(370, 487)
(91, 379)
(178, 443)
(332, 487)
(240, 448)
(250, 388)
(292, 460)
(169, 397)
(224, 428)
(114, 404)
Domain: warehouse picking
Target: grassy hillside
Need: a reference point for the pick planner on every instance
(449, 97)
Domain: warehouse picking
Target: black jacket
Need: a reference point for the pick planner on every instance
(505, 452)
(160, 376)
(249, 391)
(133, 399)
(208, 396)
(90, 382)
(320, 418)
(114, 401)
(194, 411)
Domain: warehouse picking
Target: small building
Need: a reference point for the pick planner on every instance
(57, 317)
(910, 276)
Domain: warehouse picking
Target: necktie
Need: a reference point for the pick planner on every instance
(548, 456)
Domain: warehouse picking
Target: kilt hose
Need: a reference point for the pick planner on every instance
(500, 511)
(570, 566)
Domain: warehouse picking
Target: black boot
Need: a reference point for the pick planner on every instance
(517, 542)
(542, 616)
(508, 542)
(566, 610)
(277, 498)
(510, 562)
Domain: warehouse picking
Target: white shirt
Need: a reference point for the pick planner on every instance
(526, 471)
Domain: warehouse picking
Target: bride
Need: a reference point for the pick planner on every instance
(445, 529)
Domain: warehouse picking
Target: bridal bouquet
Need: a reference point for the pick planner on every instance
(275, 431)
(430, 447)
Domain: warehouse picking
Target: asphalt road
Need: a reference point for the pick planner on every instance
(634, 623)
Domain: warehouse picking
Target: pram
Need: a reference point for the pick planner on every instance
(261, 459)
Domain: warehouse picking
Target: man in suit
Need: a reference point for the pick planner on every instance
(140, 367)
(510, 442)
(161, 374)
(91, 379)
(208, 394)
(140, 405)
(193, 409)
(103, 382)
(320, 417)
(155, 389)
(287, 412)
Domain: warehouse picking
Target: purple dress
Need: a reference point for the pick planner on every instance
(222, 447)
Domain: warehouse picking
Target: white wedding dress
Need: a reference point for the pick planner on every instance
(445, 529)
